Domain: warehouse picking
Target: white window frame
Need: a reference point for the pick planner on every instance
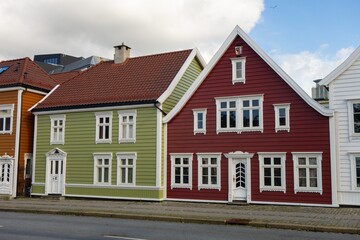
(201, 185)
(239, 113)
(196, 121)
(277, 108)
(6, 107)
(127, 113)
(354, 176)
(234, 62)
(97, 156)
(307, 155)
(353, 134)
(57, 118)
(127, 156)
(262, 166)
(173, 157)
(98, 125)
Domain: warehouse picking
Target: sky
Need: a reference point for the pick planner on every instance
(307, 38)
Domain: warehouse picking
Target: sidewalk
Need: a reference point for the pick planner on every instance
(339, 220)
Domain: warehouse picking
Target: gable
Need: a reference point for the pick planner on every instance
(228, 46)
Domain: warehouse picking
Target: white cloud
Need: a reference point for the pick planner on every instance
(304, 67)
(90, 27)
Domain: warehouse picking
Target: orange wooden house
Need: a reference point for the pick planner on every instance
(22, 84)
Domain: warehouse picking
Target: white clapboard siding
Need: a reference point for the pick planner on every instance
(345, 87)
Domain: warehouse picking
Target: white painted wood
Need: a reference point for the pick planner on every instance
(344, 87)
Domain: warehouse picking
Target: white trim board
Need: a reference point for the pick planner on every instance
(239, 32)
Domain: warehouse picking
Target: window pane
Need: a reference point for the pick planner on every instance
(101, 120)
(101, 134)
(238, 69)
(131, 131)
(106, 175)
(246, 118)
(213, 180)
(312, 161)
(123, 174)
(123, 162)
(131, 119)
(177, 171)
(313, 172)
(277, 181)
(99, 175)
(267, 161)
(313, 182)
(277, 161)
(185, 160)
(246, 103)
(282, 121)
(200, 116)
(302, 172)
(130, 175)
(130, 161)
(302, 182)
(213, 161)
(223, 117)
(356, 107)
(107, 120)
(223, 104)
(302, 161)
(282, 112)
(124, 131)
(267, 172)
(277, 172)
(177, 160)
(232, 119)
(213, 172)
(205, 171)
(107, 132)
(205, 180)
(7, 124)
(1, 124)
(267, 181)
(106, 161)
(177, 179)
(200, 124)
(205, 160)
(186, 180)
(185, 171)
(255, 103)
(232, 104)
(255, 118)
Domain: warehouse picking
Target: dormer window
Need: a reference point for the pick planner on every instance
(238, 70)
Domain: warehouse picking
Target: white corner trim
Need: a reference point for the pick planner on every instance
(46, 96)
(17, 141)
(239, 32)
(158, 146)
(34, 150)
(341, 68)
(194, 53)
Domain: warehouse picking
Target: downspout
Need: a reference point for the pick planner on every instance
(17, 142)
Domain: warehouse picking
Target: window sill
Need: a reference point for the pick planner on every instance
(6, 132)
(181, 186)
(127, 140)
(209, 187)
(240, 80)
(103, 141)
(268, 189)
(308, 190)
(57, 143)
(199, 132)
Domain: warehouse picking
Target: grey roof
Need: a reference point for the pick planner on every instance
(79, 65)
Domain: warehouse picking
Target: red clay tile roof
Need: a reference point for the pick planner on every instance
(137, 80)
(63, 77)
(24, 72)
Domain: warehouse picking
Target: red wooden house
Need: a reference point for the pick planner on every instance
(245, 131)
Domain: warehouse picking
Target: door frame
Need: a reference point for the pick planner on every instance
(231, 156)
(56, 153)
(6, 159)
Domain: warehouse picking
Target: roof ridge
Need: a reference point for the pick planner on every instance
(164, 53)
(42, 70)
(21, 79)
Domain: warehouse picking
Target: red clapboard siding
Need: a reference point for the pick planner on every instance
(309, 131)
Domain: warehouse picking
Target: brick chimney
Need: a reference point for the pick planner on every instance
(122, 52)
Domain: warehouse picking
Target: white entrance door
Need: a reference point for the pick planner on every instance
(5, 176)
(56, 176)
(239, 179)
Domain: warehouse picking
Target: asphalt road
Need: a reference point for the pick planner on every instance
(18, 226)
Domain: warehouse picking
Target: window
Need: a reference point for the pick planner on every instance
(238, 70)
(57, 133)
(354, 118)
(3, 69)
(307, 172)
(199, 121)
(127, 126)
(251, 113)
(272, 171)
(282, 117)
(355, 167)
(102, 168)
(6, 118)
(103, 127)
(240, 114)
(227, 115)
(209, 171)
(126, 173)
(181, 170)
(53, 60)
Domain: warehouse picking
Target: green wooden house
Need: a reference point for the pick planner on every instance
(100, 134)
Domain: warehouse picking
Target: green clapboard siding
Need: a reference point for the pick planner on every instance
(80, 146)
(106, 192)
(187, 79)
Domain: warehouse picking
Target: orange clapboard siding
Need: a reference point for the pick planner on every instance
(27, 133)
(7, 141)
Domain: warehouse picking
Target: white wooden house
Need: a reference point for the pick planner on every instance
(344, 96)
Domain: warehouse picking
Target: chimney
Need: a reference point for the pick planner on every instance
(122, 52)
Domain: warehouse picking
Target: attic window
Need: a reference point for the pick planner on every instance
(3, 69)
(238, 70)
